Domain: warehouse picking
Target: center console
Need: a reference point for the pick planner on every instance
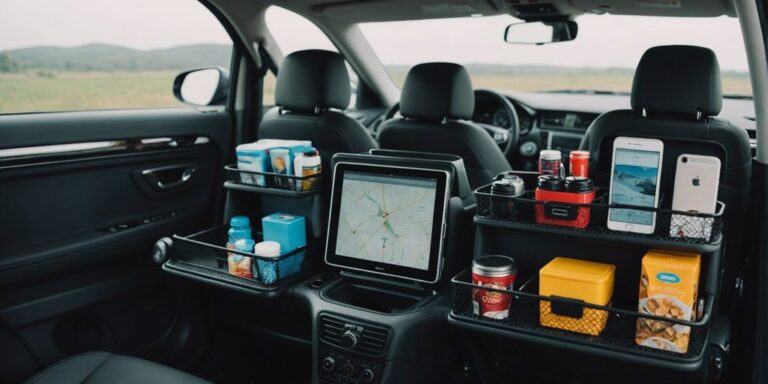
(395, 224)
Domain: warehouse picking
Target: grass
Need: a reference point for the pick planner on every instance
(66, 91)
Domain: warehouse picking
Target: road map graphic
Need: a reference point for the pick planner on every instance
(386, 220)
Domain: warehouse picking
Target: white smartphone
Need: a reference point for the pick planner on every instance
(635, 176)
(697, 179)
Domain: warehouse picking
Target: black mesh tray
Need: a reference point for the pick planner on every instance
(269, 182)
(618, 333)
(205, 254)
(526, 212)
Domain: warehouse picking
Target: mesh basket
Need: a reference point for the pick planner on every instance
(207, 252)
(677, 226)
(311, 183)
(575, 321)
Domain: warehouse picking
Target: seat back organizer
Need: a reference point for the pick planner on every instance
(548, 272)
(407, 244)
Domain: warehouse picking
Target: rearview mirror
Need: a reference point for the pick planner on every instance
(206, 86)
(541, 32)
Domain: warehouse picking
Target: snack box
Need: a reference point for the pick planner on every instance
(669, 284)
(253, 157)
(286, 229)
(257, 157)
(579, 280)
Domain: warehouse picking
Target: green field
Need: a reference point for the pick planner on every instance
(66, 91)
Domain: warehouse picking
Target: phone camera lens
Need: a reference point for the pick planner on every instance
(685, 159)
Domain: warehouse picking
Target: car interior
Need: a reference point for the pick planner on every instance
(372, 226)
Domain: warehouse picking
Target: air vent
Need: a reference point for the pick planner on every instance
(555, 120)
(331, 329)
(583, 120)
(552, 119)
(372, 339)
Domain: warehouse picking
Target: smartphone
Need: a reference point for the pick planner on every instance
(697, 179)
(635, 176)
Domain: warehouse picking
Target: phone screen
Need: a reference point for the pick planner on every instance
(635, 176)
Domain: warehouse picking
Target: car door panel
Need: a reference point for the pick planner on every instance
(83, 197)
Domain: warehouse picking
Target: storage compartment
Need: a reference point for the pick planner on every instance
(578, 280)
(204, 256)
(615, 324)
(272, 183)
(698, 231)
(533, 249)
(374, 296)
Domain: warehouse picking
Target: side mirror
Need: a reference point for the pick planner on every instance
(206, 86)
(541, 32)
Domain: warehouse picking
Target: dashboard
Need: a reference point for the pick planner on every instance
(556, 120)
(553, 120)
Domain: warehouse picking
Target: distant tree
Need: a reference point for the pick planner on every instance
(7, 64)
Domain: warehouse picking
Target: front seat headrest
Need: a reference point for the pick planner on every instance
(437, 91)
(678, 80)
(311, 81)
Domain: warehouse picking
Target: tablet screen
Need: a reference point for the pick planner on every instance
(387, 219)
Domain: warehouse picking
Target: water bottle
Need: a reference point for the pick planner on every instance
(239, 228)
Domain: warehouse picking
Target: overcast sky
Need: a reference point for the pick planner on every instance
(603, 41)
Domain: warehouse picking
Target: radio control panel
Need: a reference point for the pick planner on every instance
(339, 368)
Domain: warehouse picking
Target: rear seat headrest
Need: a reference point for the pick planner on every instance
(436, 91)
(678, 80)
(311, 81)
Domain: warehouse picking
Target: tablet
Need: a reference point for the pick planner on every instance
(388, 220)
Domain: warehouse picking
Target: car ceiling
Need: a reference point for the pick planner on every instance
(391, 10)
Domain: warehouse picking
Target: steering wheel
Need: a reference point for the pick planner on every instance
(505, 137)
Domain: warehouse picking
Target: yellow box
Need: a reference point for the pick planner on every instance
(580, 280)
(669, 284)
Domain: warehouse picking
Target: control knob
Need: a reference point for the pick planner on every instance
(349, 339)
(366, 375)
(328, 364)
(348, 369)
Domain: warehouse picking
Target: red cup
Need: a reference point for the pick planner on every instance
(579, 163)
(497, 272)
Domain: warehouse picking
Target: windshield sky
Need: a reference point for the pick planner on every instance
(604, 41)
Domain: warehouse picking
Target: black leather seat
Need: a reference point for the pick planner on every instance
(310, 85)
(103, 367)
(676, 95)
(436, 99)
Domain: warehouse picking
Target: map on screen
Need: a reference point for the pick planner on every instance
(386, 219)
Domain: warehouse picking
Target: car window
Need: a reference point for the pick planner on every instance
(293, 32)
(64, 55)
(602, 58)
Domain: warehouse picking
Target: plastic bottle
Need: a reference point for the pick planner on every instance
(239, 228)
(240, 265)
(310, 166)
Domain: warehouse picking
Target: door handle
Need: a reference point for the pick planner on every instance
(169, 177)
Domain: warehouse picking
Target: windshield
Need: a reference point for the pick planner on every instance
(602, 58)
